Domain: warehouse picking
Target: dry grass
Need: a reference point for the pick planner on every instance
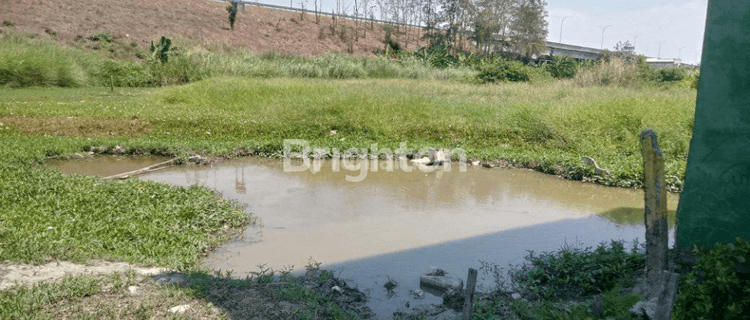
(613, 72)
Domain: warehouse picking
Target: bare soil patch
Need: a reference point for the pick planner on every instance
(32, 274)
(123, 291)
(80, 127)
(257, 29)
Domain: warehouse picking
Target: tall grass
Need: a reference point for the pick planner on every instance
(41, 62)
(613, 72)
(28, 62)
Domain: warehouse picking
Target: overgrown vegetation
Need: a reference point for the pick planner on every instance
(718, 286)
(563, 284)
(37, 62)
(232, 10)
(574, 272)
(40, 62)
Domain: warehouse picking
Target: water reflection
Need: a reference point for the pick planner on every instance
(324, 216)
(398, 225)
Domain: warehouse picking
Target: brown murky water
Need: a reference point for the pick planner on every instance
(105, 165)
(399, 225)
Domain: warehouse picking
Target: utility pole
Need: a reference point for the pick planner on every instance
(603, 28)
(658, 55)
(561, 26)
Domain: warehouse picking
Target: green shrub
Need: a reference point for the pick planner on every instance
(617, 305)
(438, 56)
(671, 74)
(718, 286)
(575, 272)
(562, 67)
(505, 70)
(8, 23)
(160, 51)
(232, 10)
(102, 35)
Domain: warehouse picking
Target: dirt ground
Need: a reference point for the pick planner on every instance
(257, 29)
(155, 292)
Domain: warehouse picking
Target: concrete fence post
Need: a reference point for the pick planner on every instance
(471, 281)
(655, 213)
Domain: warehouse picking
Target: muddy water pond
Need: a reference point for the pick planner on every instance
(105, 165)
(400, 225)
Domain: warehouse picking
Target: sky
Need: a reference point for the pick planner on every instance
(657, 28)
(677, 25)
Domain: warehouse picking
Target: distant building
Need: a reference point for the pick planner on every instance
(667, 63)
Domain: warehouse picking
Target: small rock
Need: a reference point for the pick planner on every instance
(179, 309)
(442, 282)
(487, 165)
(515, 296)
(430, 310)
(337, 288)
(647, 308)
(198, 160)
(475, 163)
(418, 294)
(118, 150)
(133, 290)
(176, 280)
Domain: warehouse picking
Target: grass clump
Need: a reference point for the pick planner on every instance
(614, 71)
(102, 36)
(25, 62)
(564, 284)
(618, 305)
(573, 272)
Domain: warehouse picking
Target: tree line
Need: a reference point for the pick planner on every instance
(514, 26)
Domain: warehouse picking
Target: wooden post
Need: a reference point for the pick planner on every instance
(655, 213)
(471, 282)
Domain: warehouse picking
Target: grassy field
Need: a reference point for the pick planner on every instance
(545, 127)
(237, 103)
